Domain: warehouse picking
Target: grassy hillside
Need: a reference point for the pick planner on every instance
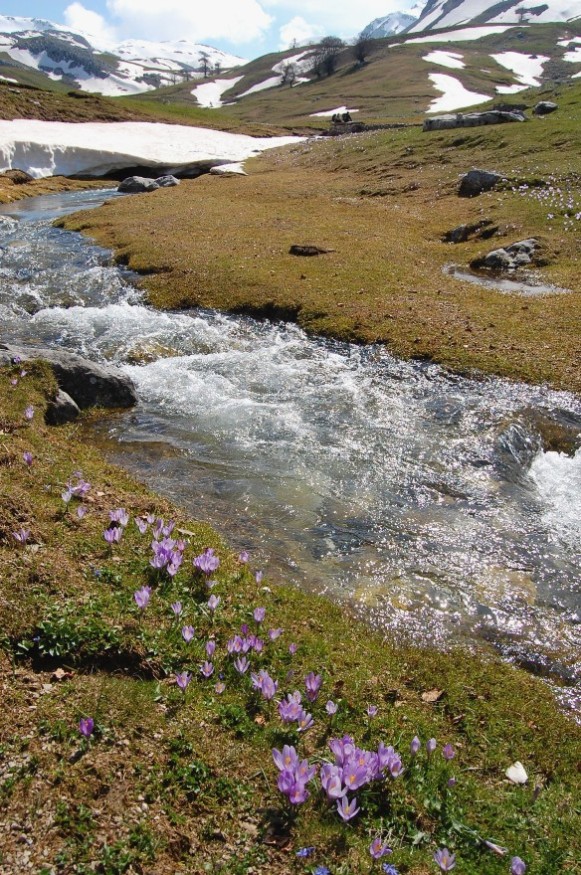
(171, 781)
(381, 203)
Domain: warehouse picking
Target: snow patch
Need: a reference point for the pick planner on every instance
(97, 148)
(527, 68)
(454, 36)
(574, 56)
(454, 95)
(210, 93)
(328, 113)
(445, 59)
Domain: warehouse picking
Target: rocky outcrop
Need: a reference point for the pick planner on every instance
(545, 107)
(471, 119)
(88, 383)
(141, 184)
(508, 259)
(484, 229)
(476, 181)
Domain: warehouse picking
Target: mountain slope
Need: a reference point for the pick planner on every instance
(131, 67)
(439, 14)
(388, 25)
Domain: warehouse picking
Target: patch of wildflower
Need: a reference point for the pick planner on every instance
(560, 199)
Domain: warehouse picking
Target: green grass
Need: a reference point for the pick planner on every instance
(173, 781)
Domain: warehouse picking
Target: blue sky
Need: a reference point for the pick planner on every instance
(245, 27)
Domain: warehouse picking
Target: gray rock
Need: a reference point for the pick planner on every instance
(475, 182)
(471, 119)
(544, 107)
(167, 181)
(90, 384)
(61, 409)
(483, 229)
(510, 258)
(137, 185)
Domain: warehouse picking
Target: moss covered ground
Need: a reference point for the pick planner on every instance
(171, 781)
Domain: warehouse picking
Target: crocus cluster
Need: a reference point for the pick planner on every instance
(292, 711)
(293, 774)
(263, 682)
(168, 554)
(76, 487)
(207, 562)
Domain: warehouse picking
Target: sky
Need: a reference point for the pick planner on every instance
(248, 28)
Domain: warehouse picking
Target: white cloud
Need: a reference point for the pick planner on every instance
(237, 21)
(298, 32)
(85, 21)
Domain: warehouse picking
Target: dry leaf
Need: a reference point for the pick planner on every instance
(60, 674)
(432, 696)
(260, 720)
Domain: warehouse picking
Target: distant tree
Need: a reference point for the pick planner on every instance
(326, 54)
(361, 48)
(289, 74)
(204, 60)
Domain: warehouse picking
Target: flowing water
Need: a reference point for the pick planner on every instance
(420, 499)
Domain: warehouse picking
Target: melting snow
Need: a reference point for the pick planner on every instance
(453, 36)
(445, 59)
(574, 56)
(97, 148)
(210, 93)
(330, 112)
(454, 96)
(527, 68)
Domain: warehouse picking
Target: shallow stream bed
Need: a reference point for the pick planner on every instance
(426, 502)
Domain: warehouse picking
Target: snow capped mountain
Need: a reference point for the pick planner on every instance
(131, 67)
(441, 14)
(388, 25)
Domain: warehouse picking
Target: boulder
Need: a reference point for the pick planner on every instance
(545, 107)
(61, 409)
(167, 181)
(88, 383)
(483, 229)
(307, 250)
(137, 185)
(471, 119)
(510, 258)
(475, 182)
(17, 177)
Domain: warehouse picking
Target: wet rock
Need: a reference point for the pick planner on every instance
(137, 185)
(484, 229)
(61, 409)
(167, 181)
(299, 249)
(90, 384)
(559, 430)
(508, 259)
(476, 181)
(545, 107)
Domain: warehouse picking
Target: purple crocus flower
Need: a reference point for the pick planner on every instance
(210, 648)
(415, 745)
(331, 781)
(305, 852)
(331, 708)
(22, 535)
(378, 848)
(445, 860)
(28, 458)
(243, 556)
(114, 535)
(119, 516)
(29, 412)
(431, 746)
(305, 722)
(259, 614)
(16, 359)
(176, 608)
(141, 524)
(292, 648)
(81, 511)
(258, 576)
(263, 682)
(290, 709)
(207, 562)
(86, 726)
(220, 687)
(389, 869)
(285, 759)
(142, 596)
(451, 782)
(517, 866)
(322, 870)
(241, 664)
(313, 683)
(274, 634)
(188, 633)
(448, 752)
(372, 710)
(347, 810)
(207, 669)
(213, 602)
(183, 679)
